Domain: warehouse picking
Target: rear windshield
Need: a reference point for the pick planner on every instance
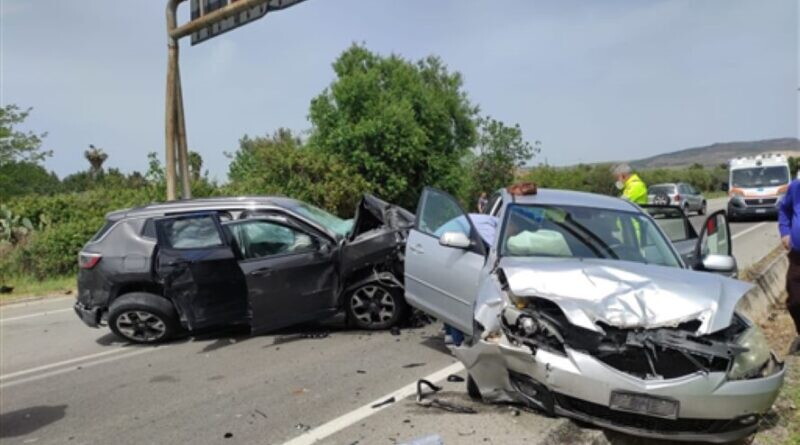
(662, 189)
(103, 230)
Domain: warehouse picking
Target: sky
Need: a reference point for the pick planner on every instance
(592, 80)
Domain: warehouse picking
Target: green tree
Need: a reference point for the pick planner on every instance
(281, 165)
(500, 152)
(195, 165)
(15, 145)
(401, 124)
(22, 177)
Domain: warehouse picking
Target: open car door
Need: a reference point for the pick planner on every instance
(678, 228)
(199, 270)
(714, 250)
(444, 257)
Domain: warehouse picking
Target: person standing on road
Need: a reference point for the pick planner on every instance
(482, 203)
(632, 187)
(789, 227)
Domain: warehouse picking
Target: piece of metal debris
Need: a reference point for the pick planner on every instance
(413, 365)
(455, 378)
(433, 402)
(385, 402)
(228, 435)
(302, 427)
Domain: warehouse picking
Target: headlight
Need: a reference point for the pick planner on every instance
(749, 364)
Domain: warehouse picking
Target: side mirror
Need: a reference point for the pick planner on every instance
(456, 240)
(725, 187)
(719, 263)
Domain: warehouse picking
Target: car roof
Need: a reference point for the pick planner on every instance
(573, 198)
(189, 205)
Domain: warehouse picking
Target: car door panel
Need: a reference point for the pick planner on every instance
(199, 271)
(287, 282)
(441, 280)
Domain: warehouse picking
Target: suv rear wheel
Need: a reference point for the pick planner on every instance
(141, 317)
(375, 306)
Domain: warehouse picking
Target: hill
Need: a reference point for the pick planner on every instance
(720, 153)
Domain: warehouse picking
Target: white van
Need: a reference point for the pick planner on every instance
(756, 185)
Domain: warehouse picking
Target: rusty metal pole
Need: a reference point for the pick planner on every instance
(170, 130)
(183, 149)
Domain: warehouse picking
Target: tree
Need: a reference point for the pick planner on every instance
(401, 124)
(23, 178)
(500, 151)
(96, 157)
(195, 165)
(281, 165)
(19, 146)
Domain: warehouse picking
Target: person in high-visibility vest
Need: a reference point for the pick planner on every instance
(632, 187)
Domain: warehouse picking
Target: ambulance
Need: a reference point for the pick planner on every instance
(757, 185)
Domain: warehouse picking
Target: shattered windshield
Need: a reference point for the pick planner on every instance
(330, 221)
(583, 232)
(760, 177)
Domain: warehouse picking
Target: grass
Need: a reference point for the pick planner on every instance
(30, 287)
(716, 194)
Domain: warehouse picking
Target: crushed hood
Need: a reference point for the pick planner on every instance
(626, 294)
(373, 213)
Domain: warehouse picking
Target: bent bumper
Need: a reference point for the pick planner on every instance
(710, 407)
(91, 316)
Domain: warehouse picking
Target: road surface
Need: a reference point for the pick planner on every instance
(61, 382)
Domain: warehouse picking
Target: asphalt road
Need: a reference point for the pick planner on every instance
(61, 382)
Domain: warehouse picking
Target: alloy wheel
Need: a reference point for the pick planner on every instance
(141, 326)
(373, 304)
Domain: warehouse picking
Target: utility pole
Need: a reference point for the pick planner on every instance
(209, 18)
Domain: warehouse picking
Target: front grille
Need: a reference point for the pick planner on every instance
(638, 421)
(667, 363)
(761, 201)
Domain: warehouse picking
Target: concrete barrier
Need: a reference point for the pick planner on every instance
(770, 285)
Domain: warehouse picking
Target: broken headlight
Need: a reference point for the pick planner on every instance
(751, 363)
(534, 329)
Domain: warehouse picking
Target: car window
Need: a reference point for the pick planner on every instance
(672, 222)
(191, 232)
(439, 214)
(583, 232)
(325, 219)
(495, 202)
(715, 237)
(149, 229)
(662, 189)
(103, 230)
(259, 239)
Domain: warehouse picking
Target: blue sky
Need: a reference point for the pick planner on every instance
(592, 80)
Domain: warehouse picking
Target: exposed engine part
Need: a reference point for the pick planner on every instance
(660, 353)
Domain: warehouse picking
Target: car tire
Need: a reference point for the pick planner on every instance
(703, 209)
(375, 306)
(143, 318)
(472, 389)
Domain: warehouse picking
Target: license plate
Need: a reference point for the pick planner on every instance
(644, 404)
(761, 210)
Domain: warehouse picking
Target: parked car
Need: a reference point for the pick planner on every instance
(678, 194)
(269, 262)
(582, 307)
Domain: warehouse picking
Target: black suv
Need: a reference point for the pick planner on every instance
(269, 262)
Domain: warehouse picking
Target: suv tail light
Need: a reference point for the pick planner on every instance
(88, 260)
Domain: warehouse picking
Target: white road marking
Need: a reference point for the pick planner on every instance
(748, 230)
(63, 363)
(346, 420)
(34, 302)
(134, 352)
(37, 314)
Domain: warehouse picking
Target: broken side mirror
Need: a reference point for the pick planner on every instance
(456, 240)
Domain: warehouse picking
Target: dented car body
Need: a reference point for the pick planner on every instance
(581, 307)
(268, 262)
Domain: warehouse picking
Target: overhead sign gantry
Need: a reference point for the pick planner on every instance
(209, 18)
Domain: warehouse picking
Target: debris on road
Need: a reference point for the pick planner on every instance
(413, 365)
(455, 378)
(228, 435)
(360, 371)
(435, 402)
(395, 330)
(385, 402)
(302, 427)
(433, 439)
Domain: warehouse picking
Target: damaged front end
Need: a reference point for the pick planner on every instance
(377, 239)
(676, 378)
